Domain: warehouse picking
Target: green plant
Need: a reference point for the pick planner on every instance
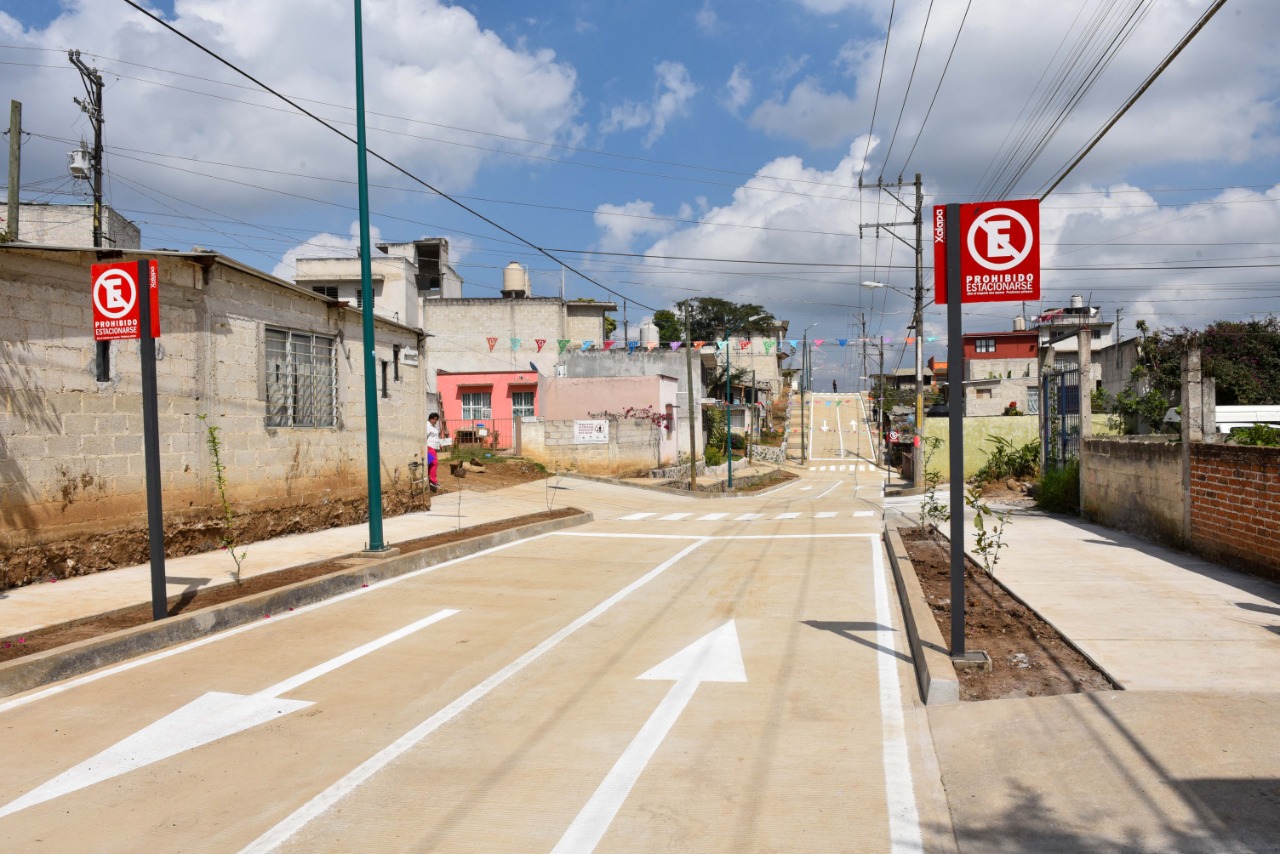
(1008, 461)
(228, 540)
(932, 511)
(1012, 408)
(714, 455)
(1258, 434)
(1059, 490)
(988, 526)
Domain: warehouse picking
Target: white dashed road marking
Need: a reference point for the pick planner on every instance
(673, 517)
(712, 517)
(861, 513)
(748, 517)
(828, 514)
(788, 516)
(636, 517)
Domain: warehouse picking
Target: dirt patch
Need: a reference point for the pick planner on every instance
(1029, 658)
(108, 550)
(764, 482)
(53, 637)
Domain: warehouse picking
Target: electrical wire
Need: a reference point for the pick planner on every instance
(907, 94)
(875, 106)
(938, 88)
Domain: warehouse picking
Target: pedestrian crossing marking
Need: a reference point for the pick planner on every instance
(745, 517)
(712, 517)
(673, 517)
(636, 517)
(827, 514)
(813, 468)
(748, 517)
(805, 488)
(862, 513)
(788, 516)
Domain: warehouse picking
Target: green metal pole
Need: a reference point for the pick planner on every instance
(373, 458)
(728, 403)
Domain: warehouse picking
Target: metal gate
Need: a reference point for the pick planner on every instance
(1060, 416)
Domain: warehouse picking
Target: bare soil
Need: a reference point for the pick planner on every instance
(53, 637)
(108, 550)
(1029, 658)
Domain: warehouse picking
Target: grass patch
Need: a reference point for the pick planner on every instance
(1059, 490)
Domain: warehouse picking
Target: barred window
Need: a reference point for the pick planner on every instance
(330, 291)
(302, 379)
(521, 404)
(1033, 401)
(985, 345)
(476, 405)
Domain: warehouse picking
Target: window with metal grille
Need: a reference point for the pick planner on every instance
(302, 379)
(360, 297)
(1033, 401)
(984, 345)
(476, 404)
(330, 291)
(521, 404)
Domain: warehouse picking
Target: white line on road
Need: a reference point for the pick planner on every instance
(178, 650)
(712, 517)
(715, 657)
(602, 535)
(210, 717)
(830, 490)
(900, 796)
(311, 810)
(805, 488)
(787, 516)
(863, 513)
(748, 517)
(826, 514)
(636, 517)
(673, 517)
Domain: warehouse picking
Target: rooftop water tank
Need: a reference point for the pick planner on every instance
(515, 281)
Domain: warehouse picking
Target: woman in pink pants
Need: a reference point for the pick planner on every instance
(433, 450)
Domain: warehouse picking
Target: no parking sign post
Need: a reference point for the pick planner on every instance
(126, 304)
(984, 252)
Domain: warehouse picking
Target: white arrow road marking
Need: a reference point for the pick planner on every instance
(715, 657)
(206, 719)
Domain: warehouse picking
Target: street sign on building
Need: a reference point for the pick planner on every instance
(591, 432)
(117, 311)
(999, 253)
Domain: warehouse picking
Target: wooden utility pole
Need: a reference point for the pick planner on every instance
(15, 168)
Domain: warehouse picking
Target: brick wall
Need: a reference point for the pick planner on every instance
(1235, 506)
(1134, 485)
(632, 448)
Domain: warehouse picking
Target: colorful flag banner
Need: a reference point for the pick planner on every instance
(539, 342)
(842, 341)
(931, 338)
(675, 345)
(911, 340)
(649, 345)
(768, 346)
(817, 342)
(744, 344)
(586, 345)
(563, 342)
(492, 342)
(632, 345)
(720, 345)
(608, 345)
(698, 344)
(515, 344)
(795, 342)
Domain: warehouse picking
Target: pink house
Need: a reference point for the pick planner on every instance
(481, 407)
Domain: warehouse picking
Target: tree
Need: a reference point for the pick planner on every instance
(670, 325)
(710, 317)
(1243, 357)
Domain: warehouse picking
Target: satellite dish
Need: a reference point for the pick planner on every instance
(533, 367)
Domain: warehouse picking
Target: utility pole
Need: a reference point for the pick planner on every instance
(804, 370)
(15, 168)
(688, 367)
(92, 107)
(917, 320)
(626, 329)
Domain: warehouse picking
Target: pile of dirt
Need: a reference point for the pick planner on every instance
(53, 637)
(1029, 657)
(108, 550)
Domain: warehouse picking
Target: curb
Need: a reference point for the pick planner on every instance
(1106, 674)
(935, 674)
(24, 674)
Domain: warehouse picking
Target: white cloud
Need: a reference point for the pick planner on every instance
(423, 58)
(325, 245)
(673, 92)
(622, 224)
(706, 19)
(738, 90)
(809, 113)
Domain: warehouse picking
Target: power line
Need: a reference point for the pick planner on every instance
(910, 79)
(888, 34)
(938, 88)
(374, 154)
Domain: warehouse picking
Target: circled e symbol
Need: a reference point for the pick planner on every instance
(1000, 253)
(114, 293)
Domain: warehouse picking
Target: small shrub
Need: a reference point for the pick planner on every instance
(1059, 490)
(1007, 461)
(1258, 434)
(714, 455)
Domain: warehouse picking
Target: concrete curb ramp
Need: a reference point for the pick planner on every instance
(33, 671)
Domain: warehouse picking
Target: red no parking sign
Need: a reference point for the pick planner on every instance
(999, 255)
(116, 310)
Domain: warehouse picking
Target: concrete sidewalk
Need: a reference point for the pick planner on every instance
(1186, 759)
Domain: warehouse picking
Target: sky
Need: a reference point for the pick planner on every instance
(698, 148)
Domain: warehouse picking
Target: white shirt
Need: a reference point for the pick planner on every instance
(433, 436)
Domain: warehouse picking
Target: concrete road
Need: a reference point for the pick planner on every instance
(681, 675)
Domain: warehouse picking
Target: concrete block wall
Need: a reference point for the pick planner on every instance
(1134, 484)
(71, 460)
(1235, 506)
(632, 448)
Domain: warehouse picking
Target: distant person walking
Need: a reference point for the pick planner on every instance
(433, 450)
(833, 387)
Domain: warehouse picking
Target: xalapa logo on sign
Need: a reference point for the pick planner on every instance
(1000, 251)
